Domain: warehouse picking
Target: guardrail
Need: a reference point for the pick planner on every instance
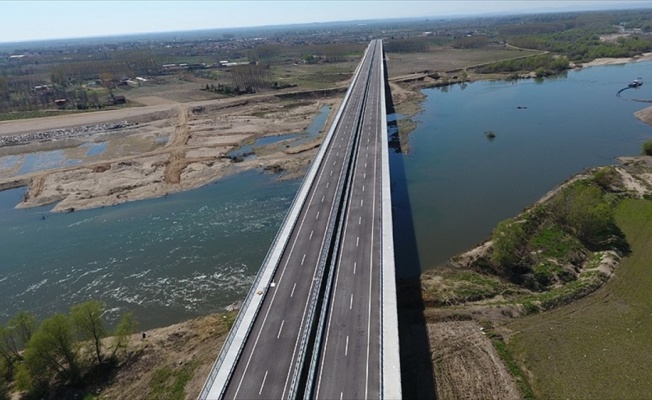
(252, 303)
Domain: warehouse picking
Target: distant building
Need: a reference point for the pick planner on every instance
(118, 100)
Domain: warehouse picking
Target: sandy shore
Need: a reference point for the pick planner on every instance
(173, 147)
(615, 61)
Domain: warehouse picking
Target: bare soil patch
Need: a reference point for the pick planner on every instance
(153, 100)
(189, 346)
(645, 115)
(466, 364)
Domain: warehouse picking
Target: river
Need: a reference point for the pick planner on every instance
(455, 185)
(196, 252)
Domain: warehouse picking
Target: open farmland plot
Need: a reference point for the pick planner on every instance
(599, 347)
(446, 59)
(315, 76)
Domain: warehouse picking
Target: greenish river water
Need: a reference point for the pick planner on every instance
(164, 259)
(196, 252)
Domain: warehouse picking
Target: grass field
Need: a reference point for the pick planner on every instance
(599, 347)
(446, 59)
(315, 76)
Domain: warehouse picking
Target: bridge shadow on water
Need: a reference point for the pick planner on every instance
(417, 377)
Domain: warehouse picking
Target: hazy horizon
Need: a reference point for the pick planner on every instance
(50, 20)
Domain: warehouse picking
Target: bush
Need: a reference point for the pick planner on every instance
(647, 148)
(607, 177)
(509, 243)
(543, 65)
(583, 210)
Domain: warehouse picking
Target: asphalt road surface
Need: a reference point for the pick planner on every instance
(349, 366)
(269, 359)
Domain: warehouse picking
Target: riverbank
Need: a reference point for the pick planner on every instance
(490, 302)
(154, 155)
(617, 61)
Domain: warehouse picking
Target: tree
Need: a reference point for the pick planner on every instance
(583, 210)
(509, 243)
(125, 328)
(24, 323)
(251, 77)
(87, 318)
(647, 148)
(107, 81)
(53, 351)
(58, 76)
(9, 346)
(14, 337)
(4, 88)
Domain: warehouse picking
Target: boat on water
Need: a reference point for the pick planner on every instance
(638, 82)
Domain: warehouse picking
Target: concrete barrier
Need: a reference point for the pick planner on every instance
(391, 363)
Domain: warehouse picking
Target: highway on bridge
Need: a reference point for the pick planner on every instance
(268, 364)
(320, 320)
(349, 365)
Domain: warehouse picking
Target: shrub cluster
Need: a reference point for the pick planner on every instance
(647, 148)
(542, 64)
(548, 244)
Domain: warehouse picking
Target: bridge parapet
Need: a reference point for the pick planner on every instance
(391, 366)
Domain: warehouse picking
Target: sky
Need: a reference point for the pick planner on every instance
(36, 20)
